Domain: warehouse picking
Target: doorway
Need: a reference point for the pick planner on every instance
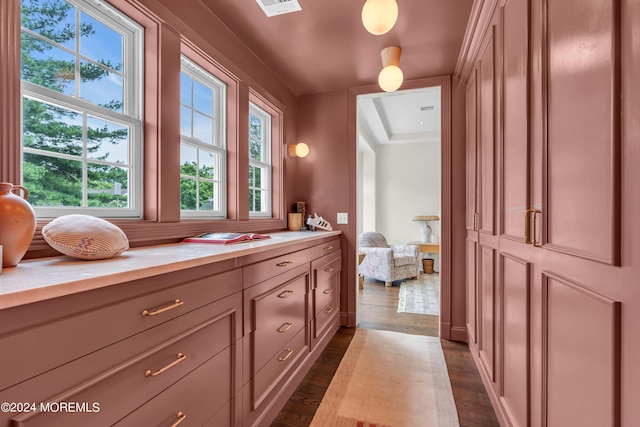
(398, 180)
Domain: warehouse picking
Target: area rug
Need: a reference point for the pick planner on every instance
(419, 297)
(389, 379)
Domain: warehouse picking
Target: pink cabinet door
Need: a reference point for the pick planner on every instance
(486, 146)
(581, 148)
(514, 153)
(472, 156)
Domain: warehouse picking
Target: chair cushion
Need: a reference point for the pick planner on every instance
(404, 260)
(372, 239)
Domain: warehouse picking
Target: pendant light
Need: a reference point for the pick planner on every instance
(391, 77)
(379, 16)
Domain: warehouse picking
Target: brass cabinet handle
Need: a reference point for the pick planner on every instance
(527, 226)
(329, 310)
(284, 263)
(328, 248)
(285, 327)
(181, 358)
(327, 291)
(535, 227)
(329, 270)
(175, 304)
(286, 356)
(285, 294)
(475, 221)
(181, 416)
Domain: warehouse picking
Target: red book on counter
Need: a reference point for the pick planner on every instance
(225, 238)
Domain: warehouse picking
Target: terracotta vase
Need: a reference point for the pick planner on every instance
(17, 224)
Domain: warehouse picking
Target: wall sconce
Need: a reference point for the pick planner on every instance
(379, 16)
(298, 150)
(391, 77)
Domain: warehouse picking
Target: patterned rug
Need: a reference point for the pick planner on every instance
(420, 297)
(389, 379)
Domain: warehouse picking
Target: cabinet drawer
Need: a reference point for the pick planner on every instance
(135, 370)
(325, 248)
(278, 367)
(279, 315)
(46, 346)
(199, 396)
(326, 293)
(264, 270)
(326, 267)
(324, 316)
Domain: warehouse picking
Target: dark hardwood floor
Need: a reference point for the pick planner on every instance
(377, 309)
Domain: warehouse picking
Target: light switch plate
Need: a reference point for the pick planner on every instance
(343, 218)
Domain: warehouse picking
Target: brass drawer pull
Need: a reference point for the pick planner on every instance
(286, 356)
(285, 294)
(285, 327)
(527, 226)
(329, 270)
(181, 358)
(329, 310)
(175, 304)
(284, 263)
(181, 416)
(327, 291)
(535, 227)
(328, 248)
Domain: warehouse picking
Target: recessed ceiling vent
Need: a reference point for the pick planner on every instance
(279, 7)
(428, 108)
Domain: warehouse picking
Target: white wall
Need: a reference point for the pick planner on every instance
(408, 185)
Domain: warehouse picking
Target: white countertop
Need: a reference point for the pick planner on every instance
(41, 279)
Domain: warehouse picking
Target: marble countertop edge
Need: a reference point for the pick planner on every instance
(42, 279)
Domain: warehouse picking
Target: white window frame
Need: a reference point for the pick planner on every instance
(264, 165)
(218, 147)
(131, 117)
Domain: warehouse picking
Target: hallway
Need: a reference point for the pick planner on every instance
(378, 310)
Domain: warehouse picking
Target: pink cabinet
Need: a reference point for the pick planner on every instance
(121, 348)
(326, 294)
(545, 289)
(223, 344)
(291, 310)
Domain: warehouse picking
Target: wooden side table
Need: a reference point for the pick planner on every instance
(427, 248)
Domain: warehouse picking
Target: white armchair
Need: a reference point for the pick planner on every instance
(387, 263)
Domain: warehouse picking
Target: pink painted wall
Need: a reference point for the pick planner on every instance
(458, 204)
(325, 179)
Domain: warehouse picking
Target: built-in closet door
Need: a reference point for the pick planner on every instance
(578, 228)
(546, 278)
(488, 107)
(516, 254)
(472, 208)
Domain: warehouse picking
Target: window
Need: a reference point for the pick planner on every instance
(259, 162)
(202, 143)
(81, 73)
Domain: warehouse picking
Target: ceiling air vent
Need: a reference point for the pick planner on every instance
(279, 7)
(428, 108)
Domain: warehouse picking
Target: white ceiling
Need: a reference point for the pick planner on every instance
(402, 117)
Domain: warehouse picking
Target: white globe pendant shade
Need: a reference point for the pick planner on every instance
(390, 78)
(379, 16)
